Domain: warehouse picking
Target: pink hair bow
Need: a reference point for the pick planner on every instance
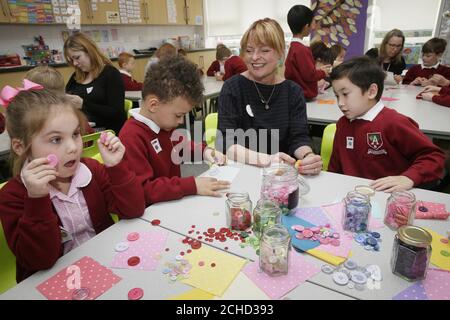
(8, 93)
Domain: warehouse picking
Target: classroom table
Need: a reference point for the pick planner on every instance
(212, 90)
(431, 118)
(5, 145)
(326, 188)
(155, 284)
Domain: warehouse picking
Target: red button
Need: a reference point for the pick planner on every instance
(196, 244)
(211, 230)
(135, 294)
(134, 261)
(133, 236)
(155, 222)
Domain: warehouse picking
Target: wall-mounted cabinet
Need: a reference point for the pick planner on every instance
(194, 12)
(155, 11)
(5, 15)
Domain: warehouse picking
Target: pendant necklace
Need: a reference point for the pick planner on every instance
(264, 101)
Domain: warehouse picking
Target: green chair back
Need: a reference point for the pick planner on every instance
(128, 107)
(91, 151)
(327, 144)
(211, 121)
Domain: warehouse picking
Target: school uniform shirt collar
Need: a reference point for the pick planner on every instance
(373, 112)
(148, 122)
(80, 179)
(295, 39)
(431, 67)
(125, 72)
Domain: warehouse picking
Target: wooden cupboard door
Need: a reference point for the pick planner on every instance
(194, 11)
(4, 11)
(157, 12)
(86, 12)
(105, 12)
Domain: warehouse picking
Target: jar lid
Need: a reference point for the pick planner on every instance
(369, 191)
(415, 236)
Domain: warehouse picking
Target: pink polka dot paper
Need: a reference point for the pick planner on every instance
(436, 286)
(276, 287)
(97, 278)
(149, 245)
(434, 210)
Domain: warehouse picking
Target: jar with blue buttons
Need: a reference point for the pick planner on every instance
(411, 253)
(266, 213)
(274, 250)
(357, 210)
(283, 185)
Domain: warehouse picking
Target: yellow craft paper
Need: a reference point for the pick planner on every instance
(193, 294)
(214, 280)
(437, 246)
(331, 259)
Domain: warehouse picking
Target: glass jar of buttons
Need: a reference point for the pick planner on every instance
(238, 208)
(274, 250)
(400, 208)
(357, 210)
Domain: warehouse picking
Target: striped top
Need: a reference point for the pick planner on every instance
(240, 107)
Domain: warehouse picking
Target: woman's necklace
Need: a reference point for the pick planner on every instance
(264, 101)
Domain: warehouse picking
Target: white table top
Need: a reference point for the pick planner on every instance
(212, 89)
(327, 188)
(432, 118)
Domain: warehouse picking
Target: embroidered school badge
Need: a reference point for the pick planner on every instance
(374, 140)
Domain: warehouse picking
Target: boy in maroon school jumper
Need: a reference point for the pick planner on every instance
(233, 65)
(300, 65)
(171, 88)
(376, 142)
(432, 52)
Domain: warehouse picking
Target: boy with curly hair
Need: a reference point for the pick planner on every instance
(171, 88)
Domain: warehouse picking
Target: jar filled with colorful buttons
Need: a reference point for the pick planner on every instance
(283, 185)
(356, 212)
(400, 208)
(274, 250)
(239, 208)
(411, 253)
(266, 213)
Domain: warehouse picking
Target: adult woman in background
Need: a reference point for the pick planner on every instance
(96, 81)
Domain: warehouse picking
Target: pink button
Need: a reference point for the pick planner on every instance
(315, 229)
(335, 242)
(298, 228)
(299, 236)
(135, 294)
(307, 233)
(52, 159)
(445, 241)
(133, 236)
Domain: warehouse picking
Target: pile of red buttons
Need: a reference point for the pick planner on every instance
(241, 219)
(323, 234)
(213, 234)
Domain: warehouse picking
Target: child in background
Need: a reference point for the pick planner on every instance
(323, 56)
(339, 52)
(127, 64)
(217, 68)
(300, 66)
(166, 50)
(432, 51)
(51, 79)
(233, 65)
(57, 201)
(376, 142)
(171, 88)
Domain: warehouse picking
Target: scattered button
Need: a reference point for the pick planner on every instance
(358, 277)
(359, 286)
(135, 294)
(213, 265)
(423, 209)
(351, 285)
(444, 241)
(178, 258)
(327, 269)
(134, 261)
(121, 246)
(155, 222)
(133, 236)
(201, 263)
(196, 244)
(376, 235)
(351, 265)
(445, 253)
(81, 294)
(340, 278)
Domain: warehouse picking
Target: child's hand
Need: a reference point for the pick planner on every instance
(36, 177)
(210, 186)
(418, 81)
(428, 96)
(391, 184)
(326, 68)
(111, 149)
(214, 156)
(433, 89)
(219, 76)
(398, 78)
(311, 164)
(439, 80)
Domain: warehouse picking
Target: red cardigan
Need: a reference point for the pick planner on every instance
(443, 98)
(213, 68)
(417, 71)
(2, 123)
(160, 177)
(130, 84)
(234, 65)
(301, 68)
(31, 225)
(402, 149)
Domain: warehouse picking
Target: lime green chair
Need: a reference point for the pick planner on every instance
(92, 151)
(211, 129)
(8, 262)
(128, 107)
(327, 144)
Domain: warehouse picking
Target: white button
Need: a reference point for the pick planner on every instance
(122, 246)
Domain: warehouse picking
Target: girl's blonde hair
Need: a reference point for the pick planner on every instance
(382, 52)
(26, 116)
(266, 32)
(80, 42)
(48, 77)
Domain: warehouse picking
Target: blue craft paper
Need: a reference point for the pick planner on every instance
(303, 245)
(376, 210)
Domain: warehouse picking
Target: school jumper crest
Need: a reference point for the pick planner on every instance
(374, 140)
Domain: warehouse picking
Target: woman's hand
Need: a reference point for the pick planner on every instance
(214, 156)
(36, 177)
(111, 149)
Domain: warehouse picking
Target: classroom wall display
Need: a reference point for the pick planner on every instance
(341, 21)
(39, 11)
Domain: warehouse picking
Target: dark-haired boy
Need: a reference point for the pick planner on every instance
(376, 142)
(300, 64)
(171, 88)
